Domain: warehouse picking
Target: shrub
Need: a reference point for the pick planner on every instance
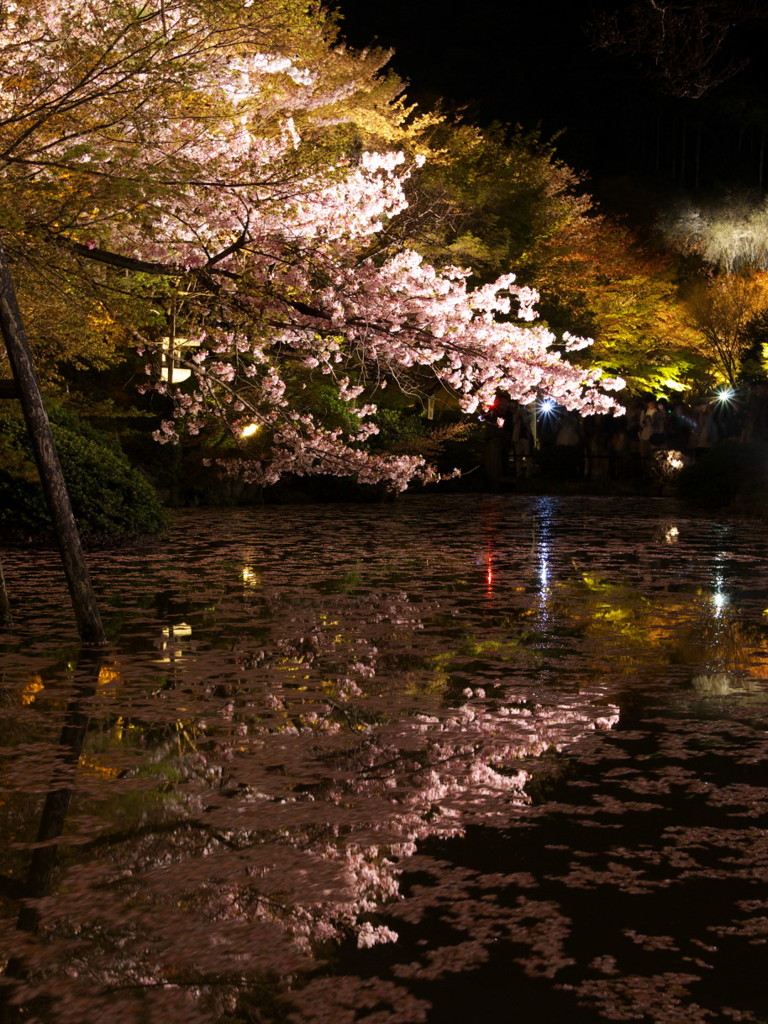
(110, 499)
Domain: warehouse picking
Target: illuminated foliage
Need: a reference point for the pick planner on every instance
(731, 235)
(722, 308)
(493, 200)
(231, 151)
(489, 199)
(624, 295)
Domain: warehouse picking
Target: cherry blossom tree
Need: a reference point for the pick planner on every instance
(229, 170)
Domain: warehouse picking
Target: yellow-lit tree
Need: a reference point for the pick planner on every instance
(721, 308)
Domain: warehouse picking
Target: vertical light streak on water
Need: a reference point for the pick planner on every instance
(720, 596)
(489, 573)
(543, 535)
(493, 535)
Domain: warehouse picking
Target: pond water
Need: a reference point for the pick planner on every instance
(448, 758)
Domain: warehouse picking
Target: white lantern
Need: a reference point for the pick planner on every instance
(172, 349)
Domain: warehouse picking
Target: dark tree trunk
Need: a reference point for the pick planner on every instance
(49, 467)
(5, 604)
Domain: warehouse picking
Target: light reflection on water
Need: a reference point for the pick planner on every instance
(296, 703)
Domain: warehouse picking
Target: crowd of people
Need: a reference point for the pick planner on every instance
(527, 440)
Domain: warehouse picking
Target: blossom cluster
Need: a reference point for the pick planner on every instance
(186, 140)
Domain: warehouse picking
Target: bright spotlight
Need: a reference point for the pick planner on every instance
(249, 430)
(546, 406)
(725, 395)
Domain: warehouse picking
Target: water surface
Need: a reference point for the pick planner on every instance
(448, 757)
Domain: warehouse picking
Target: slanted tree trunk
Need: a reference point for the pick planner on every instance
(49, 467)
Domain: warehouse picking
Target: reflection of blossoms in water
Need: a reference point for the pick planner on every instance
(302, 769)
(355, 747)
(370, 936)
(400, 774)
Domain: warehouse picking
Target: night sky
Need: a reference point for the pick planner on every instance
(533, 63)
(510, 61)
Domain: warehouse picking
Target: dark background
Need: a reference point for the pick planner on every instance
(535, 64)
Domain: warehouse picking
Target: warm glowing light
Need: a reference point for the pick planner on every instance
(671, 535)
(31, 689)
(172, 648)
(181, 629)
(250, 578)
(108, 680)
(249, 430)
(489, 573)
(171, 350)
